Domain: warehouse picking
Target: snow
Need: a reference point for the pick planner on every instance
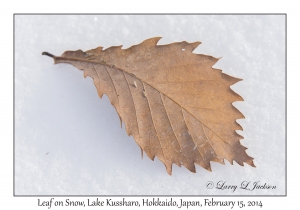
(68, 141)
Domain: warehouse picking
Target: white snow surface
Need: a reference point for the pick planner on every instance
(68, 141)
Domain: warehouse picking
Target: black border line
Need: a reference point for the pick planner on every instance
(151, 196)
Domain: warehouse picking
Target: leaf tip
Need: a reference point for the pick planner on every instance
(120, 120)
(152, 41)
(213, 60)
(218, 160)
(238, 126)
(151, 157)
(98, 48)
(192, 46)
(236, 96)
(209, 169)
(191, 167)
(114, 48)
(250, 162)
(169, 168)
(142, 153)
(230, 79)
(169, 171)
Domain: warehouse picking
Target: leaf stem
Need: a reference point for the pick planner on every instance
(48, 54)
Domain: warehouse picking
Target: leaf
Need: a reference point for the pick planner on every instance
(175, 105)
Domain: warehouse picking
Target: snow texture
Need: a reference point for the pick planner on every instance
(68, 141)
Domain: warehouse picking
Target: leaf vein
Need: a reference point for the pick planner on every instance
(133, 104)
(191, 135)
(153, 122)
(113, 86)
(97, 76)
(208, 140)
(173, 128)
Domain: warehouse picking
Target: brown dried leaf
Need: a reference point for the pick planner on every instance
(175, 105)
